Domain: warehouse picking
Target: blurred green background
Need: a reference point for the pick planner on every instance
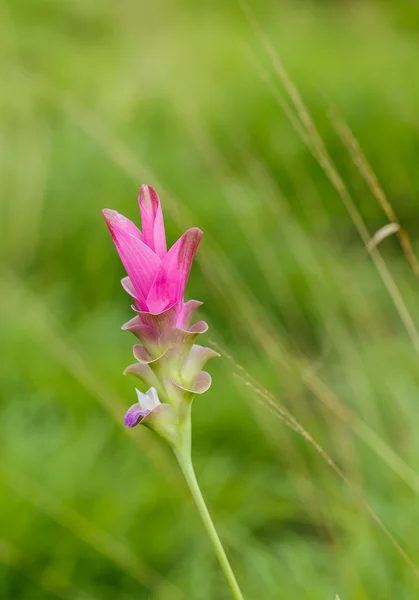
(97, 97)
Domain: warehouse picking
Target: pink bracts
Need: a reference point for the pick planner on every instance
(168, 360)
(156, 277)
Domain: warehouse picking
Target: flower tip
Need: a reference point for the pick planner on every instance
(131, 420)
(191, 240)
(145, 188)
(134, 415)
(194, 236)
(109, 215)
(148, 198)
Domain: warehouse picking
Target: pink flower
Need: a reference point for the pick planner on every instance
(169, 362)
(156, 277)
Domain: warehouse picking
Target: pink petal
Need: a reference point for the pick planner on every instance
(186, 312)
(169, 285)
(140, 262)
(111, 215)
(161, 321)
(152, 220)
(128, 287)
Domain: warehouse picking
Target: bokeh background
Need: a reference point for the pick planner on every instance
(99, 96)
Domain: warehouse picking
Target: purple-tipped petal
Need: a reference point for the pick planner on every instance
(135, 415)
(162, 419)
(169, 284)
(140, 262)
(146, 404)
(152, 220)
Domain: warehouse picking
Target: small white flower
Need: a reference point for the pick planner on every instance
(149, 400)
(146, 404)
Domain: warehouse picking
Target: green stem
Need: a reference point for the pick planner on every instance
(185, 463)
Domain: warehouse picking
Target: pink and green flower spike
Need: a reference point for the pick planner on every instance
(169, 361)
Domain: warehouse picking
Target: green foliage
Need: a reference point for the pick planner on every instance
(98, 97)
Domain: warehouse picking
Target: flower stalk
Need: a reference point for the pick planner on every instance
(183, 456)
